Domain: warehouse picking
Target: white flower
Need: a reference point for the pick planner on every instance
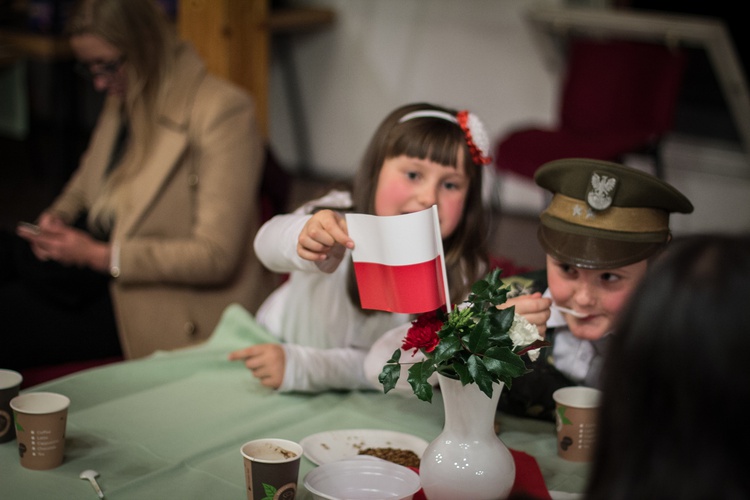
(523, 333)
(479, 134)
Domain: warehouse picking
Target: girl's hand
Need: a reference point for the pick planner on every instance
(533, 307)
(265, 361)
(324, 238)
(66, 245)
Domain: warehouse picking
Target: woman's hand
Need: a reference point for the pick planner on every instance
(324, 239)
(533, 307)
(265, 361)
(66, 245)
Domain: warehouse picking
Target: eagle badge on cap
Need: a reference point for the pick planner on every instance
(602, 189)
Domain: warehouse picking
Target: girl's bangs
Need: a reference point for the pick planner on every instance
(440, 145)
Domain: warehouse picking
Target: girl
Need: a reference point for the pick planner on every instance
(421, 155)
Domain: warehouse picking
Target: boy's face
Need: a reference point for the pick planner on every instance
(600, 294)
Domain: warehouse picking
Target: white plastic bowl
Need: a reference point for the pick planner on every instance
(362, 478)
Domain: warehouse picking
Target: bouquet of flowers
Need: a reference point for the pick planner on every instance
(475, 343)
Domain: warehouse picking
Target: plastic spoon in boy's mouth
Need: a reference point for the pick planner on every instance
(569, 311)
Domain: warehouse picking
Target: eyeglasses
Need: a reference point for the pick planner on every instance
(94, 69)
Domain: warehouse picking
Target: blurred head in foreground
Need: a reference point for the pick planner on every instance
(675, 382)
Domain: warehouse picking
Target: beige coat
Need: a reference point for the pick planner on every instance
(185, 239)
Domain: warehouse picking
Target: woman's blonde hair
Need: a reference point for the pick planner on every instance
(142, 33)
(440, 141)
(140, 30)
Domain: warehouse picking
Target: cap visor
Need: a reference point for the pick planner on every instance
(591, 252)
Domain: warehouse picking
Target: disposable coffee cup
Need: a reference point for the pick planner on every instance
(40, 419)
(576, 414)
(10, 385)
(271, 468)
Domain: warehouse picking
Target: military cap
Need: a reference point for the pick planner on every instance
(604, 215)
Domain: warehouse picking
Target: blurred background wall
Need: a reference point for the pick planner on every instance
(330, 89)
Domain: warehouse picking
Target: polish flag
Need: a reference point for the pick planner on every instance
(399, 261)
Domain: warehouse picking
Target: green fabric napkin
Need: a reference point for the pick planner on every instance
(237, 328)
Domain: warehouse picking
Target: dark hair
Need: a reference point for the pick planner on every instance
(676, 380)
(442, 142)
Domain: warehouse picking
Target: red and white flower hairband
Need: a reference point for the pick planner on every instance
(472, 126)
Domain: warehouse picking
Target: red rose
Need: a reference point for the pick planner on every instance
(423, 333)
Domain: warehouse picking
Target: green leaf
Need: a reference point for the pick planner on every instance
(504, 365)
(269, 491)
(481, 375)
(500, 323)
(463, 373)
(446, 349)
(389, 376)
(481, 286)
(395, 357)
(418, 375)
(391, 372)
(479, 338)
(561, 413)
(505, 360)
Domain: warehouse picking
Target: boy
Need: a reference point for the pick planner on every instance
(603, 225)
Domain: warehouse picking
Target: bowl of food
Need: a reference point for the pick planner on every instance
(362, 478)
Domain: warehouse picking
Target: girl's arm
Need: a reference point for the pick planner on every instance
(298, 241)
(276, 243)
(310, 369)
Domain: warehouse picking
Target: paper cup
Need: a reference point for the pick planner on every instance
(271, 468)
(576, 412)
(10, 385)
(40, 419)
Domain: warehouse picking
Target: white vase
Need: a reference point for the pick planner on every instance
(467, 460)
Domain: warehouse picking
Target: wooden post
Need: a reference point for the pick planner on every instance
(232, 37)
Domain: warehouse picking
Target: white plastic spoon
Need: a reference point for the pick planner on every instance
(569, 311)
(91, 475)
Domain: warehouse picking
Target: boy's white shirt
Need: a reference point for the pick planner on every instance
(325, 338)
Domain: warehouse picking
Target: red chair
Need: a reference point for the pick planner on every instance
(618, 97)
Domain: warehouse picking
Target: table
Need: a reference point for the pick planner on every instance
(171, 425)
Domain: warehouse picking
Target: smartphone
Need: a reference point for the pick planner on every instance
(28, 226)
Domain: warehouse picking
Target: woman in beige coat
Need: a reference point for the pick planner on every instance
(168, 184)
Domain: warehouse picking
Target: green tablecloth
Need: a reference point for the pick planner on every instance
(171, 425)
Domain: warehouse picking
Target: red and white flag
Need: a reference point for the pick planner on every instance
(399, 261)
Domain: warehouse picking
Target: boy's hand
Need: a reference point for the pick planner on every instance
(533, 307)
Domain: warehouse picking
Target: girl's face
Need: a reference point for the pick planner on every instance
(597, 293)
(407, 185)
(101, 62)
